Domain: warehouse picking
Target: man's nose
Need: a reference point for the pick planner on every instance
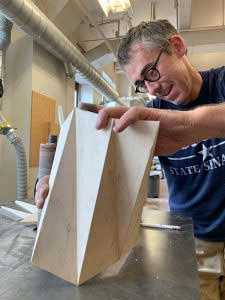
(153, 87)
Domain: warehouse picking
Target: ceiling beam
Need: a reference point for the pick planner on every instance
(55, 7)
(100, 56)
(92, 21)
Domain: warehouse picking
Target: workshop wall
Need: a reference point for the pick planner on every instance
(124, 86)
(89, 94)
(49, 79)
(205, 61)
(109, 70)
(29, 67)
(16, 107)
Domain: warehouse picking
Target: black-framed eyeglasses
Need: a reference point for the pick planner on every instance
(150, 73)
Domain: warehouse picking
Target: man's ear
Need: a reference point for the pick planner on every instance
(178, 45)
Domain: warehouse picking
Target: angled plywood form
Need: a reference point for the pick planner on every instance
(134, 152)
(55, 246)
(97, 188)
(94, 202)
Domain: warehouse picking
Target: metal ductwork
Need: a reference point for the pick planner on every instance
(28, 17)
(69, 70)
(5, 32)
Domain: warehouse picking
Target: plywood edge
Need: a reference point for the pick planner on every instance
(54, 171)
(132, 232)
(55, 248)
(35, 258)
(109, 252)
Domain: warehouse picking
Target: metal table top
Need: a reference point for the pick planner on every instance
(162, 266)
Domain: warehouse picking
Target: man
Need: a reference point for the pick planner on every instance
(153, 56)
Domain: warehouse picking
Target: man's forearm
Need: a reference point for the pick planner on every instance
(209, 121)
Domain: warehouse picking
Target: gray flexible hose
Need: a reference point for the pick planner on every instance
(21, 170)
(21, 164)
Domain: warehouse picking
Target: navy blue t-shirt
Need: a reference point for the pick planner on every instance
(196, 174)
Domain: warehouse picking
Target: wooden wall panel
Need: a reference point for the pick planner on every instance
(42, 124)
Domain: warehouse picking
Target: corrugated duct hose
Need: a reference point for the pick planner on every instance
(21, 164)
(9, 132)
(5, 128)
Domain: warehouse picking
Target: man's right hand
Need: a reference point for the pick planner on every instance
(42, 190)
(176, 127)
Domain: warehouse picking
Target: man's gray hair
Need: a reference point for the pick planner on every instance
(152, 35)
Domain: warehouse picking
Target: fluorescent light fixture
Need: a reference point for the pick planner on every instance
(114, 5)
(105, 6)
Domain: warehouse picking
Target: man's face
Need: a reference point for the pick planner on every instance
(175, 83)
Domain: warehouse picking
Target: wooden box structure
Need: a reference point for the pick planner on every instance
(98, 185)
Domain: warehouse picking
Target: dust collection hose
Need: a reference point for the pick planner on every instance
(5, 127)
(7, 130)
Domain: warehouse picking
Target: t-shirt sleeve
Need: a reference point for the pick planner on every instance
(221, 84)
(153, 103)
(149, 104)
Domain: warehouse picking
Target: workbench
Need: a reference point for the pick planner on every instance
(162, 266)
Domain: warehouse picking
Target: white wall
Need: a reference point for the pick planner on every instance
(123, 85)
(109, 70)
(49, 79)
(16, 107)
(86, 93)
(205, 61)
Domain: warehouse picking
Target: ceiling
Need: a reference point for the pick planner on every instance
(84, 23)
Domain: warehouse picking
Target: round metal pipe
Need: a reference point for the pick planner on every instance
(29, 17)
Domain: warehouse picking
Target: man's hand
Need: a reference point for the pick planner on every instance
(175, 132)
(42, 190)
(104, 113)
(176, 127)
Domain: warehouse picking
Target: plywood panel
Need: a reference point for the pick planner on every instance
(54, 129)
(94, 169)
(60, 252)
(42, 123)
(98, 185)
